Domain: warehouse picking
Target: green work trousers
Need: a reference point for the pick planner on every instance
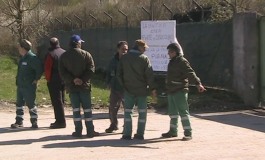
(82, 99)
(141, 103)
(178, 106)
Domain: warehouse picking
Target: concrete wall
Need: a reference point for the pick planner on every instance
(246, 53)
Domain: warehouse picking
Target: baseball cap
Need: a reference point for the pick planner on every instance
(142, 43)
(76, 38)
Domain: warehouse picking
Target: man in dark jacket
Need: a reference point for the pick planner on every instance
(76, 67)
(116, 90)
(55, 83)
(136, 76)
(28, 74)
(179, 73)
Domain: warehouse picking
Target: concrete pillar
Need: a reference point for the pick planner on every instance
(246, 48)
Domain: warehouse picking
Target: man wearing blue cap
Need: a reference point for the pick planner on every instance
(76, 67)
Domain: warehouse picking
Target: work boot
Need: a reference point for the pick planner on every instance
(126, 137)
(17, 125)
(169, 135)
(92, 134)
(111, 129)
(77, 134)
(34, 126)
(139, 137)
(57, 125)
(186, 138)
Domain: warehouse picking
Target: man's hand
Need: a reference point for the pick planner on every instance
(35, 82)
(201, 88)
(78, 81)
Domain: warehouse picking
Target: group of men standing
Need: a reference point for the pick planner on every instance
(129, 77)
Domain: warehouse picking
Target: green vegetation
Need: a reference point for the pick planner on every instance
(8, 72)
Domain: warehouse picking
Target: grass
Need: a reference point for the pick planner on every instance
(212, 100)
(8, 71)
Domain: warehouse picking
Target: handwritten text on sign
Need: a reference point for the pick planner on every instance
(158, 35)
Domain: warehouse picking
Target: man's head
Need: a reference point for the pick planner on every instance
(173, 50)
(76, 41)
(24, 46)
(141, 45)
(54, 42)
(122, 47)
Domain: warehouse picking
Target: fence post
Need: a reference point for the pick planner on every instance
(69, 20)
(150, 17)
(111, 19)
(126, 19)
(80, 21)
(198, 5)
(169, 10)
(59, 22)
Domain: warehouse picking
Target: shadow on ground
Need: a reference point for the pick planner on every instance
(249, 119)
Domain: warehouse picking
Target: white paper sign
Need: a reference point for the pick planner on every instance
(158, 35)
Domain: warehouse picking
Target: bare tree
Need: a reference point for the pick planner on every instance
(17, 15)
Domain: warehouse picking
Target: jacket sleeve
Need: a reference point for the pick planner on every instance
(149, 75)
(108, 72)
(189, 72)
(90, 68)
(120, 73)
(36, 65)
(66, 76)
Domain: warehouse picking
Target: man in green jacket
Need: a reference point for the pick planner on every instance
(179, 73)
(28, 74)
(136, 76)
(76, 67)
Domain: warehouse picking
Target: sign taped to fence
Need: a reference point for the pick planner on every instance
(158, 35)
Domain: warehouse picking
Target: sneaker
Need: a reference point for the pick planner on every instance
(16, 125)
(126, 137)
(186, 138)
(168, 135)
(139, 137)
(34, 126)
(77, 134)
(57, 125)
(93, 134)
(111, 129)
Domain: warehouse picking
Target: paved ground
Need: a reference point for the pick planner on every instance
(217, 136)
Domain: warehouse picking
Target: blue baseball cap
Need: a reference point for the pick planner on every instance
(76, 38)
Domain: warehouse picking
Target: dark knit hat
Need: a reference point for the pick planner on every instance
(175, 47)
(25, 44)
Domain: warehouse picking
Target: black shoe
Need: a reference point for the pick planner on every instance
(111, 129)
(186, 138)
(34, 126)
(57, 125)
(126, 137)
(17, 125)
(140, 137)
(93, 134)
(169, 135)
(77, 134)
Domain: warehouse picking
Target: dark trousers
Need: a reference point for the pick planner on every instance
(56, 91)
(26, 95)
(116, 100)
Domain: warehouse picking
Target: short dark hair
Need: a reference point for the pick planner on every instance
(121, 43)
(175, 47)
(25, 44)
